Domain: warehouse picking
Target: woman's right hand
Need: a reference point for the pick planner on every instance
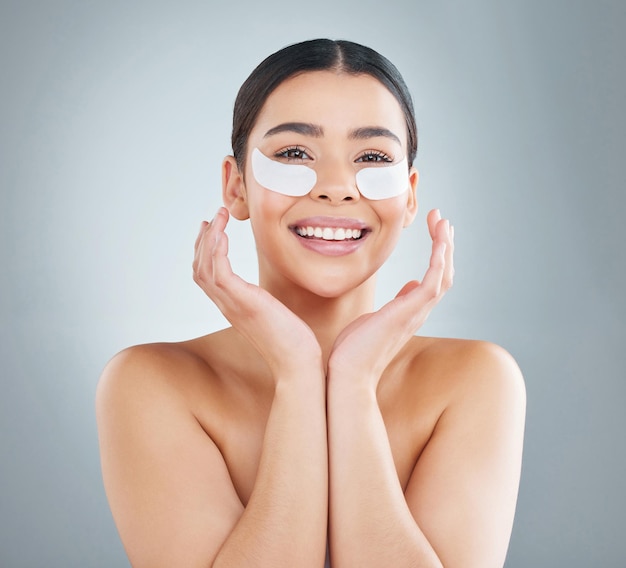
(285, 342)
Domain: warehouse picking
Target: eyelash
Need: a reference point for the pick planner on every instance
(376, 155)
(287, 154)
(370, 156)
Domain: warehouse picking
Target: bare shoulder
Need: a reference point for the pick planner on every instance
(463, 487)
(144, 373)
(156, 362)
(440, 389)
(466, 368)
(157, 486)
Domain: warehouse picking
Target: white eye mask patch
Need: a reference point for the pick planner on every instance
(289, 179)
(383, 182)
(296, 180)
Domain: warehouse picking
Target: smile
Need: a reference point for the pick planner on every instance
(331, 236)
(328, 233)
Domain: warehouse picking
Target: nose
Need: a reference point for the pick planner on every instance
(336, 184)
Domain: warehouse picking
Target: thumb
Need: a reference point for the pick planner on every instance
(408, 287)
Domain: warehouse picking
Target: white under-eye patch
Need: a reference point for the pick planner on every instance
(294, 180)
(383, 182)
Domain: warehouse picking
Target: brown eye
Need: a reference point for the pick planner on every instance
(374, 157)
(293, 153)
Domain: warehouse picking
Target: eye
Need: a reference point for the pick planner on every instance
(293, 154)
(374, 156)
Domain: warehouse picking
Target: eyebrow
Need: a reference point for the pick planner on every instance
(298, 127)
(315, 131)
(373, 132)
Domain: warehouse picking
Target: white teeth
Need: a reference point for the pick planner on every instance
(328, 233)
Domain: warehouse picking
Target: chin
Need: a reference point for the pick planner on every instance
(333, 288)
(327, 292)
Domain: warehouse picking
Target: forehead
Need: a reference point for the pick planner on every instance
(336, 101)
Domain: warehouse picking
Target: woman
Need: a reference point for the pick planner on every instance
(314, 424)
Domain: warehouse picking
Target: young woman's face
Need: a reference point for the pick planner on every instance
(336, 124)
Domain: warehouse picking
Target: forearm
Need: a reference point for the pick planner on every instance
(285, 520)
(370, 521)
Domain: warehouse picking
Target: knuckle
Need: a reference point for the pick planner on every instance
(200, 274)
(432, 292)
(198, 280)
(219, 281)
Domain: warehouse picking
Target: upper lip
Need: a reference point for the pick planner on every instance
(331, 222)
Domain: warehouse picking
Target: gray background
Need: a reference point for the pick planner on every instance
(114, 120)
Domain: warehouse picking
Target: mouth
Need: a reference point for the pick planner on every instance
(330, 229)
(328, 233)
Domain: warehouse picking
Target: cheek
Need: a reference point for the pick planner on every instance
(268, 204)
(391, 214)
(266, 209)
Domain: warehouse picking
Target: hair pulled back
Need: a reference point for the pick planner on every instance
(316, 55)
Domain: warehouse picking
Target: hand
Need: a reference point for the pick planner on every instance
(368, 344)
(284, 341)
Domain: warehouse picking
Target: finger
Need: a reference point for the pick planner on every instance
(206, 226)
(215, 227)
(412, 305)
(222, 269)
(203, 227)
(218, 224)
(448, 276)
(408, 287)
(430, 288)
(230, 292)
(432, 219)
(417, 299)
(221, 218)
(202, 263)
(432, 282)
(444, 233)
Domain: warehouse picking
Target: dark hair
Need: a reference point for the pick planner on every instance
(316, 55)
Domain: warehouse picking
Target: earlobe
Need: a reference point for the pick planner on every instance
(411, 205)
(234, 189)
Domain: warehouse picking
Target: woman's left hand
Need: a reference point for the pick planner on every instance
(368, 344)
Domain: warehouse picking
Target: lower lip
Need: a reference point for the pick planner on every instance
(330, 248)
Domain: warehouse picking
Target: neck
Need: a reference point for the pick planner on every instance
(327, 317)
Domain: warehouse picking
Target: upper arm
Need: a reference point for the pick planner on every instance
(168, 487)
(463, 489)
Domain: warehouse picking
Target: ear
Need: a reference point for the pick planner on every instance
(234, 189)
(411, 203)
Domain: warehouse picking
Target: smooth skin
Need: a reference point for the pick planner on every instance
(314, 418)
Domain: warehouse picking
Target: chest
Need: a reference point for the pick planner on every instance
(240, 435)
